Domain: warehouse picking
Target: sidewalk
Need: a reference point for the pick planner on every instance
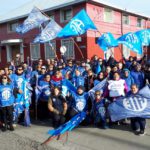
(83, 138)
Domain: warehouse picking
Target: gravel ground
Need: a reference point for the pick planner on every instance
(12, 141)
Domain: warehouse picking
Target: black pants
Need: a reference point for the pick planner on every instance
(58, 120)
(7, 115)
(43, 112)
(138, 123)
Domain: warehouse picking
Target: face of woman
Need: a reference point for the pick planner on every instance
(101, 76)
(4, 79)
(116, 76)
(126, 73)
(47, 78)
(56, 91)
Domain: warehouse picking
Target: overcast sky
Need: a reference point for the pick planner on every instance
(139, 6)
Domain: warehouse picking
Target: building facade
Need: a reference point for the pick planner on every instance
(106, 18)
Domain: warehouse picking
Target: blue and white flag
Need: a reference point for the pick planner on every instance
(68, 126)
(133, 106)
(99, 87)
(49, 33)
(35, 19)
(106, 41)
(144, 36)
(78, 25)
(132, 41)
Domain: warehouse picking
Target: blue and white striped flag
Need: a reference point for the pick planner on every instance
(35, 19)
(144, 36)
(49, 33)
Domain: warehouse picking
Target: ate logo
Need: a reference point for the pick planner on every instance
(136, 104)
(107, 38)
(146, 37)
(132, 38)
(77, 26)
(6, 95)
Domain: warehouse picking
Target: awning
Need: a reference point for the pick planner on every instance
(11, 41)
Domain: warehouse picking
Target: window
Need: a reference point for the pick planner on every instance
(49, 50)
(35, 51)
(125, 19)
(12, 26)
(125, 51)
(70, 47)
(139, 22)
(108, 15)
(66, 15)
(109, 53)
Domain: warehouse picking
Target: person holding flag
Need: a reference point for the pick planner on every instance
(57, 105)
(138, 124)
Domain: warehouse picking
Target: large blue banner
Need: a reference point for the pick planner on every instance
(144, 36)
(35, 19)
(106, 41)
(78, 25)
(132, 41)
(132, 106)
(49, 33)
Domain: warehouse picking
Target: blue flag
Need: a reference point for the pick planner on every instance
(68, 126)
(132, 41)
(99, 87)
(67, 86)
(144, 36)
(133, 106)
(78, 25)
(35, 19)
(106, 41)
(49, 33)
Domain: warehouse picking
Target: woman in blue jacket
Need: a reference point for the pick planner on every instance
(6, 102)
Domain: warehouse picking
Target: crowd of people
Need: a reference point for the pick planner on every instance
(20, 82)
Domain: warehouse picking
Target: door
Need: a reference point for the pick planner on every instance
(15, 49)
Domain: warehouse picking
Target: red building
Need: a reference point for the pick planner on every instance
(106, 17)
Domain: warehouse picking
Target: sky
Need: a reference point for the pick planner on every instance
(138, 6)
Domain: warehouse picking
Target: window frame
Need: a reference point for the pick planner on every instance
(31, 52)
(62, 14)
(73, 52)
(9, 25)
(112, 15)
(128, 19)
(45, 45)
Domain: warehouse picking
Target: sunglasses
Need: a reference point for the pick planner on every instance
(20, 69)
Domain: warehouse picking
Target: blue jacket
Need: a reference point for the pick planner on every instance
(129, 80)
(138, 78)
(6, 95)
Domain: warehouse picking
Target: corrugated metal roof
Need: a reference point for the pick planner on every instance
(44, 5)
(25, 9)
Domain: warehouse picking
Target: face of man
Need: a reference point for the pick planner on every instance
(19, 70)
(134, 89)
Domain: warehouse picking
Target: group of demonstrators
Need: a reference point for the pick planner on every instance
(60, 89)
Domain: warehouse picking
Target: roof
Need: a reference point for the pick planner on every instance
(47, 5)
(44, 5)
(112, 5)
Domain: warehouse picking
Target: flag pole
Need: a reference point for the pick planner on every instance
(77, 47)
(49, 41)
(42, 12)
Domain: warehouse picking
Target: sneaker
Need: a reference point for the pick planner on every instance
(141, 133)
(11, 128)
(14, 125)
(105, 127)
(4, 129)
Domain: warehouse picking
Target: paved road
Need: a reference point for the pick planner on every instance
(83, 138)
